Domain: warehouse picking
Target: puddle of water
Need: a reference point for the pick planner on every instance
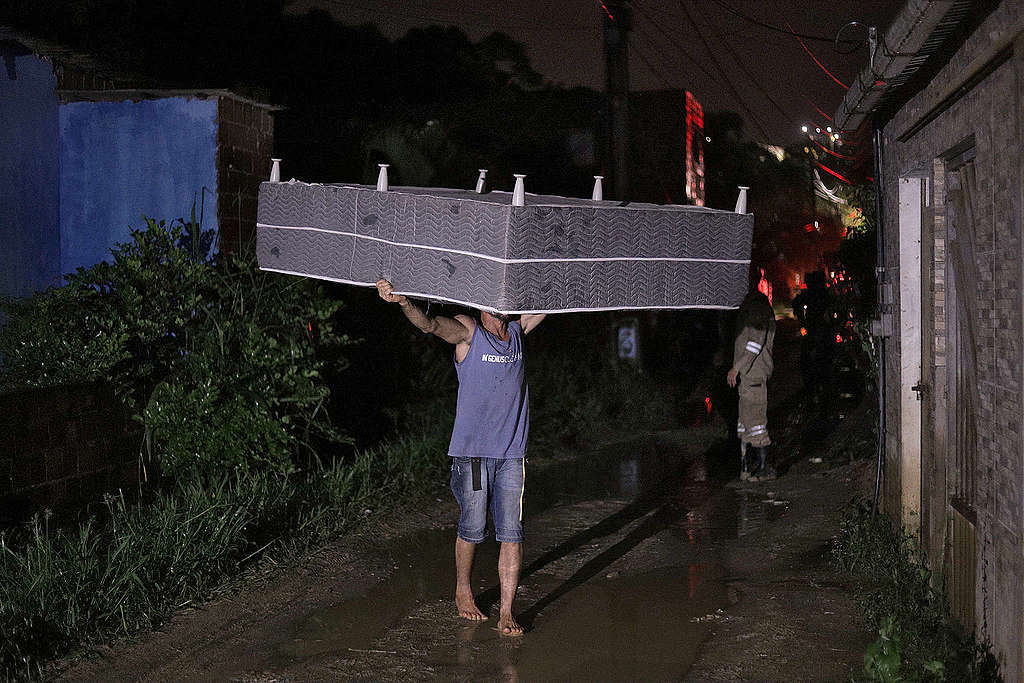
(641, 627)
(593, 614)
(729, 514)
(627, 470)
(425, 571)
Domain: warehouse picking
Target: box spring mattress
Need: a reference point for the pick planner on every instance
(553, 254)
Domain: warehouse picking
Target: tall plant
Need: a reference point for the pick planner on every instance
(220, 361)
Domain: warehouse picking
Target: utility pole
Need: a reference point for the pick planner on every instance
(618, 19)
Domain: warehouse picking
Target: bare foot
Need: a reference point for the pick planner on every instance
(466, 605)
(508, 626)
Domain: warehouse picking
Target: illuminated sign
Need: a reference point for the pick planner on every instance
(694, 150)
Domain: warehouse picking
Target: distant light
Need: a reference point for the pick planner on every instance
(828, 128)
(817, 130)
(835, 136)
(707, 138)
(803, 128)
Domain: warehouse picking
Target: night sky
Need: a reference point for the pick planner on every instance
(564, 40)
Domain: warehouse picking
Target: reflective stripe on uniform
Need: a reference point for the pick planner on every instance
(758, 429)
(522, 491)
(753, 347)
(740, 428)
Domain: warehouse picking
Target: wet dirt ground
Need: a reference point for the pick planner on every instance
(644, 568)
(644, 560)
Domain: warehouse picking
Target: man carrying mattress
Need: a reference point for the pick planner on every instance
(488, 446)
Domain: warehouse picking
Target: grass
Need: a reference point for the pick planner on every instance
(132, 567)
(918, 639)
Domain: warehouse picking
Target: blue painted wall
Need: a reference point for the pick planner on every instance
(122, 160)
(29, 171)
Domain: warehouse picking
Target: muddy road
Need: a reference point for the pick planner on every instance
(639, 557)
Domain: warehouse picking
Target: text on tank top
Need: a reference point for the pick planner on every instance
(492, 414)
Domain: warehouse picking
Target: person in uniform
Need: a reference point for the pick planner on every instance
(488, 445)
(751, 368)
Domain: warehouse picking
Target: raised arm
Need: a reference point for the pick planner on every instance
(458, 330)
(531, 320)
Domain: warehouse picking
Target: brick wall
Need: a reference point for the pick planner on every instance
(991, 112)
(63, 447)
(245, 140)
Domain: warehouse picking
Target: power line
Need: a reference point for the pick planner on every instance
(650, 67)
(722, 71)
(675, 42)
(755, 81)
(498, 24)
(816, 60)
(772, 27)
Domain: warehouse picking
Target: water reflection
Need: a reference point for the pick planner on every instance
(629, 478)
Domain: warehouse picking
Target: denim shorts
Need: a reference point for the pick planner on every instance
(498, 486)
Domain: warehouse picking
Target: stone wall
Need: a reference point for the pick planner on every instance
(990, 113)
(64, 447)
(245, 138)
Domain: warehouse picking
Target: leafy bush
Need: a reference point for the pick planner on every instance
(918, 640)
(221, 362)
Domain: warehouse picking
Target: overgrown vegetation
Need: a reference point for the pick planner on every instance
(131, 569)
(222, 363)
(917, 638)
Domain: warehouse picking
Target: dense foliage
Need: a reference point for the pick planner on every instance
(222, 363)
(918, 640)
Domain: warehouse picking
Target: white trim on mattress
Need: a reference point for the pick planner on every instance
(533, 199)
(472, 304)
(498, 259)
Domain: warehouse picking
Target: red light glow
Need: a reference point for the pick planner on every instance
(694, 150)
(829, 151)
(765, 286)
(833, 173)
(820, 65)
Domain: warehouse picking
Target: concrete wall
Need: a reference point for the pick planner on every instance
(120, 160)
(992, 113)
(29, 167)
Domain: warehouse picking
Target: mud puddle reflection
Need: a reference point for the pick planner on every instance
(666, 487)
(424, 570)
(646, 626)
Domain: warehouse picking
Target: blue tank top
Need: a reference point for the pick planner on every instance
(492, 415)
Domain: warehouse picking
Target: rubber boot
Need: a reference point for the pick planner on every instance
(765, 472)
(744, 461)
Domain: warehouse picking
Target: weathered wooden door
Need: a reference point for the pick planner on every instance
(962, 281)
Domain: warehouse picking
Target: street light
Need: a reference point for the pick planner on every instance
(817, 130)
(828, 128)
(803, 128)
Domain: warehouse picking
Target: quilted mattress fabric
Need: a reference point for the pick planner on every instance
(553, 254)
